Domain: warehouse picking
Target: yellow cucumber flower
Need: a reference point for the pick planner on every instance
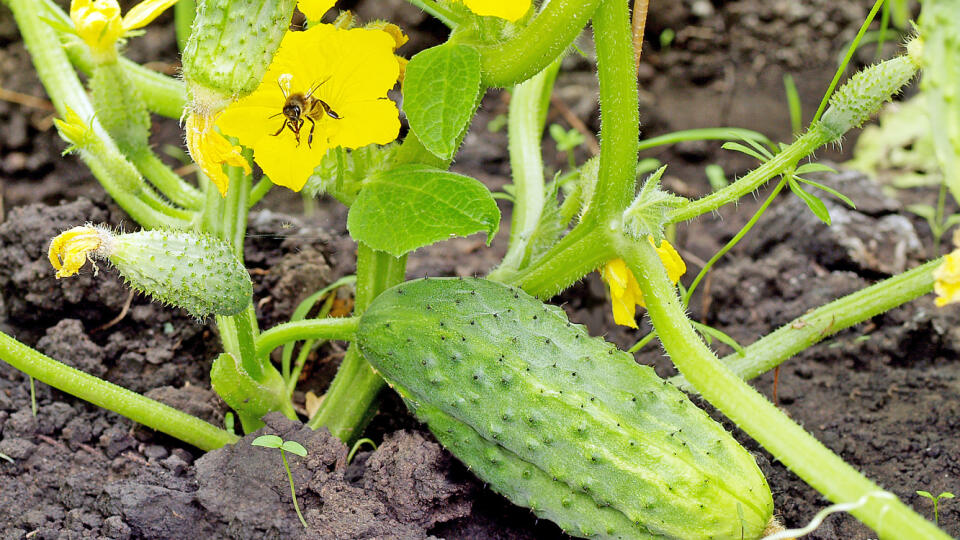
(625, 294)
(510, 10)
(315, 9)
(947, 276)
(326, 88)
(70, 249)
(99, 24)
(211, 150)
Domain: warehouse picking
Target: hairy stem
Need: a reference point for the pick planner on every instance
(140, 409)
(811, 328)
(788, 442)
(342, 329)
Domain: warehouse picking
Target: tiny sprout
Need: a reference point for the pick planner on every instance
(357, 445)
(6, 457)
(272, 441)
(936, 502)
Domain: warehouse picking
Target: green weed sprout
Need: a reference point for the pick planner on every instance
(330, 128)
(936, 502)
(272, 441)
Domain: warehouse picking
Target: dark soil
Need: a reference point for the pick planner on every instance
(884, 395)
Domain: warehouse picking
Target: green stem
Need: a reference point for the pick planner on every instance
(347, 404)
(293, 490)
(165, 180)
(334, 328)
(787, 157)
(261, 188)
(811, 328)
(536, 45)
(148, 412)
(163, 95)
(184, 12)
(733, 241)
(846, 60)
(577, 254)
(788, 442)
(526, 164)
(619, 113)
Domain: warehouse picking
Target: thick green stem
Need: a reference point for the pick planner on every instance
(526, 165)
(810, 328)
(577, 254)
(148, 412)
(165, 180)
(788, 442)
(619, 112)
(342, 329)
(536, 45)
(352, 394)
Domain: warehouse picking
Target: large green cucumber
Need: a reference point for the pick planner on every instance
(557, 421)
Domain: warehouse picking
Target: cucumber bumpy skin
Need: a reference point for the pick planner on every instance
(196, 272)
(557, 421)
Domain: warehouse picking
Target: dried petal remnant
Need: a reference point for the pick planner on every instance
(70, 249)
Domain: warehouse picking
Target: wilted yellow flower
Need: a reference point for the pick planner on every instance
(314, 9)
(72, 127)
(947, 276)
(70, 249)
(327, 87)
(625, 294)
(211, 150)
(99, 24)
(510, 10)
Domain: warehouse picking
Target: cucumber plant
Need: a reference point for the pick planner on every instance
(560, 422)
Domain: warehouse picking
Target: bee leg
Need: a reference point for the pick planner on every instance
(310, 136)
(282, 126)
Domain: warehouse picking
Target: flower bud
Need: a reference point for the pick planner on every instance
(195, 272)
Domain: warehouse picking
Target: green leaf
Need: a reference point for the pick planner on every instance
(952, 220)
(268, 441)
(440, 88)
(414, 206)
(829, 190)
(945, 495)
(923, 210)
(925, 494)
(709, 331)
(815, 204)
(741, 148)
(813, 167)
(648, 212)
(294, 448)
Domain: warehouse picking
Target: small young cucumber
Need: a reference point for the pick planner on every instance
(562, 423)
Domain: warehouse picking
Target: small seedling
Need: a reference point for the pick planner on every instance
(7, 458)
(936, 502)
(272, 441)
(357, 445)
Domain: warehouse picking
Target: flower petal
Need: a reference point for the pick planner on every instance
(144, 13)
(315, 9)
(366, 122)
(211, 150)
(70, 249)
(286, 163)
(510, 10)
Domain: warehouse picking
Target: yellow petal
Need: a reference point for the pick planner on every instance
(144, 13)
(211, 150)
(671, 260)
(366, 122)
(315, 9)
(70, 249)
(947, 280)
(98, 24)
(504, 9)
(348, 72)
(286, 163)
(625, 292)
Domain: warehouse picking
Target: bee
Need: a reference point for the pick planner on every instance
(300, 108)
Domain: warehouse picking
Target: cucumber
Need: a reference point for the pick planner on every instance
(559, 422)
